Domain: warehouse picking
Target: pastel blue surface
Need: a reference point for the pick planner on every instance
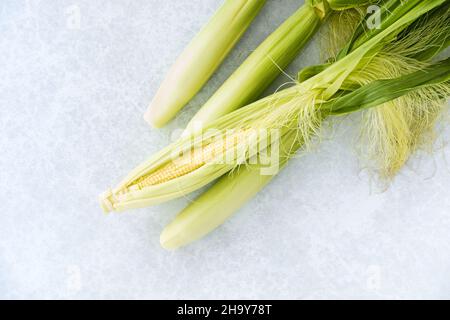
(75, 79)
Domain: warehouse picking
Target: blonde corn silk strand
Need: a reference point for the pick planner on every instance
(395, 130)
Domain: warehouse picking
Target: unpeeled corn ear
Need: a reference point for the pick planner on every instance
(201, 58)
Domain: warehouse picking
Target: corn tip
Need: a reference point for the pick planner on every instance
(165, 240)
(105, 201)
(152, 120)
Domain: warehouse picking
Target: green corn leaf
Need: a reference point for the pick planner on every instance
(381, 91)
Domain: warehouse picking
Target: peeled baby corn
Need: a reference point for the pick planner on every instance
(231, 192)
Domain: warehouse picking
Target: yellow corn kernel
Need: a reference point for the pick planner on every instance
(185, 164)
(168, 172)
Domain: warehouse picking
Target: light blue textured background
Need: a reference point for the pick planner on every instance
(72, 98)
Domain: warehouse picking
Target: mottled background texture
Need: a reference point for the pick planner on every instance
(75, 79)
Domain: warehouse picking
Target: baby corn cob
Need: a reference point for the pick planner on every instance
(201, 58)
(225, 197)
